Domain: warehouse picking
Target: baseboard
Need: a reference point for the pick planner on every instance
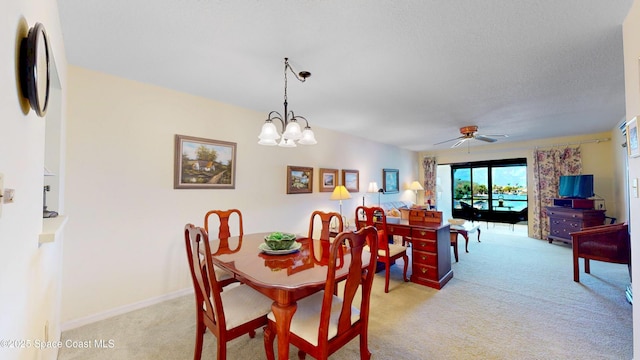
(123, 309)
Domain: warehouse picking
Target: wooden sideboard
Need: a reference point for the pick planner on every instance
(565, 220)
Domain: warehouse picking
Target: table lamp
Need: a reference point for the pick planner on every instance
(340, 193)
(415, 186)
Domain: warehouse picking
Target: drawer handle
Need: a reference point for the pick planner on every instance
(390, 228)
(423, 257)
(423, 233)
(424, 271)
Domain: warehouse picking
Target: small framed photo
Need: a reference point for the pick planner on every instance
(390, 181)
(632, 138)
(204, 163)
(328, 179)
(299, 180)
(351, 180)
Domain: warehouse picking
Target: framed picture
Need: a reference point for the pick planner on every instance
(204, 163)
(351, 180)
(299, 180)
(632, 138)
(328, 179)
(390, 181)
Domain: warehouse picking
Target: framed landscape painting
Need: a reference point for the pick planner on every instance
(351, 180)
(299, 180)
(390, 181)
(204, 163)
(328, 179)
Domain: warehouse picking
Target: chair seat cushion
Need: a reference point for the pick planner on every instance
(242, 304)
(394, 249)
(222, 274)
(306, 319)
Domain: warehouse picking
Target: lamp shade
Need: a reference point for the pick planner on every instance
(340, 193)
(415, 186)
(373, 187)
(286, 142)
(293, 130)
(269, 132)
(308, 138)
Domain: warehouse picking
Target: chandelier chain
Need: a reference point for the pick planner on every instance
(286, 65)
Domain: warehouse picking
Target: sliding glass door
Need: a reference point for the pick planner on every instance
(490, 190)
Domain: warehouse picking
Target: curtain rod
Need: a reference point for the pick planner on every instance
(574, 143)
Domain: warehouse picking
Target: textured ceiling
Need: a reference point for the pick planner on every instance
(403, 72)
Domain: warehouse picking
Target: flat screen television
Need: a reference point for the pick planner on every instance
(576, 186)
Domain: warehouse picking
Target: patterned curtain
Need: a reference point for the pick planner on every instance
(430, 166)
(548, 166)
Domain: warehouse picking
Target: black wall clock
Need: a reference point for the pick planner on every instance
(34, 68)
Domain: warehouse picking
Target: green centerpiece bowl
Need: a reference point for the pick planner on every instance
(279, 240)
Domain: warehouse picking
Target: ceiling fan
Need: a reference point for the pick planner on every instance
(470, 133)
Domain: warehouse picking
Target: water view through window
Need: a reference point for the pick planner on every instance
(490, 187)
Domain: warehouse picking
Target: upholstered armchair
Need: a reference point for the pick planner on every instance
(610, 243)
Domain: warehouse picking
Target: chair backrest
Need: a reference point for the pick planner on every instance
(359, 277)
(323, 219)
(205, 284)
(380, 223)
(611, 242)
(223, 219)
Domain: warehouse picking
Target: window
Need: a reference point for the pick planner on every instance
(493, 190)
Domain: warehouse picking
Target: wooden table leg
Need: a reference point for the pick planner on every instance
(453, 237)
(283, 314)
(465, 235)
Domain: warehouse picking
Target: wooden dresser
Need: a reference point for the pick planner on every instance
(565, 220)
(430, 250)
(431, 256)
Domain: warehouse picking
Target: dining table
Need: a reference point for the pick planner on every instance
(285, 276)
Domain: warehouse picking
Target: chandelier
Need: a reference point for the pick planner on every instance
(292, 133)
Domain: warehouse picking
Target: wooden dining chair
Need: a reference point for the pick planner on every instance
(236, 311)
(221, 219)
(387, 253)
(324, 322)
(324, 219)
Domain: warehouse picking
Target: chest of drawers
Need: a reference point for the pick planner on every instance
(565, 220)
(431, 257)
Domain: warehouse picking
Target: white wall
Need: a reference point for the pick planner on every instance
(29, 273)
(124, 244)
(631, 40)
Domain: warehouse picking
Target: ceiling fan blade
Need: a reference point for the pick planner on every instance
(495, 135)
(460, 142)
(442, 142)
(484, 138)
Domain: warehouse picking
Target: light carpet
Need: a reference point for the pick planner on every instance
(511, 297)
